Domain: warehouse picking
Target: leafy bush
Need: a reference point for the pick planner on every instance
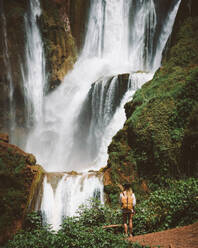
(83, 231)
(33, 221)
(76, 234)
(95, 214)
(168, 207)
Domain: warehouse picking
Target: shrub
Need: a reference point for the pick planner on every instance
(83, 231)
(168, 207)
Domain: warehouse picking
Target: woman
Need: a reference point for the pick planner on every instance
(128, 201)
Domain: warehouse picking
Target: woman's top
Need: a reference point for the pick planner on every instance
(133, 196)
(134, 199)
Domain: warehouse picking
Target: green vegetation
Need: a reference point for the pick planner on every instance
(168, 207)
(175, 205)
(12, 191)
(82, 231)
(15, 187)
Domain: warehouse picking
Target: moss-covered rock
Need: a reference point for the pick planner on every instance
(161, 119)
(59, 44)
(18, 183)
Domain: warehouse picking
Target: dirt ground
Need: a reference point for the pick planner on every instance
(182, 237)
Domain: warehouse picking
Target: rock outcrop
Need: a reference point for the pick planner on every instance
(20, 178)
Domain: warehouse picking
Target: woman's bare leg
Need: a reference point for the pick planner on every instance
(125, 228)
(130, 224)
(125, 223)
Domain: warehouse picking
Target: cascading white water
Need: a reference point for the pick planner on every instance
(136, 80)
(120, 31)
(6, 59)
(82, 115)
(63, 200)
(165, 33)
(34, 76)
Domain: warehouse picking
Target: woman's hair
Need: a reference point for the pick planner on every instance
(128, 189)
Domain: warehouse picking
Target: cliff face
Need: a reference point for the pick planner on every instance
(159, 138)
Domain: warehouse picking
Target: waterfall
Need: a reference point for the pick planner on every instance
(165, 33)
(86, 110)
(101, 116)
(33, 72)
(60, 199)
(9, 79)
